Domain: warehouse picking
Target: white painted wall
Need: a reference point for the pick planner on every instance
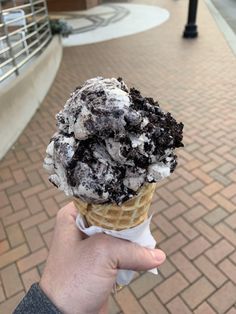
(22, 96)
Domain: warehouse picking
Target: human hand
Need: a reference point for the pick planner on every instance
(80, 272)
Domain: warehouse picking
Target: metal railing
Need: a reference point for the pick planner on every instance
(24, 33)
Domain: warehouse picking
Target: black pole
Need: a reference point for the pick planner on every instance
(190, 30)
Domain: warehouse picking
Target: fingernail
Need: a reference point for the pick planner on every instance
(159, 255)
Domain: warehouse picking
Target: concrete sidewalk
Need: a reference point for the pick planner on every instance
(195, 220)
(228, 10)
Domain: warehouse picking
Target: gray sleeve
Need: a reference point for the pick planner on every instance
(35, 301)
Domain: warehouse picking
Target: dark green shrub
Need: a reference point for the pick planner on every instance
(60, 27)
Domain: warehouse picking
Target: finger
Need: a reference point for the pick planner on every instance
(129, 255)
(66, 221)
(69, 210)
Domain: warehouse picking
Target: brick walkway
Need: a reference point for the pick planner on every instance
(195, 217)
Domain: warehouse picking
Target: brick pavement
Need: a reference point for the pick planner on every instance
(195, 218)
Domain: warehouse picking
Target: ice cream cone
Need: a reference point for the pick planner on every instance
(110, 216)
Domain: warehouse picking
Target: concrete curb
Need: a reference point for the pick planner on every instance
(223, 26)
(23, 95)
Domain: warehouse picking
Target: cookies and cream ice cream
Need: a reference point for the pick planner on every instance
(110, 141)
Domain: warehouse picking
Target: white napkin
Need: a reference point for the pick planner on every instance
(140, 235)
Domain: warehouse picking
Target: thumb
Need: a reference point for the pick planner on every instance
(132, 256)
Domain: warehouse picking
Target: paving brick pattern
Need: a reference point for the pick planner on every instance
(195, 209)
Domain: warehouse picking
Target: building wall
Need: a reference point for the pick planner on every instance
(70, 5)
(92, 3)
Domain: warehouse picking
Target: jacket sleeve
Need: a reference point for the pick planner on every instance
(36, 301)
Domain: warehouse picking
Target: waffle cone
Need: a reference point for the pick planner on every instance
(110, 216)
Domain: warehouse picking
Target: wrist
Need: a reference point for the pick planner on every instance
(51, 293)
(60, 298)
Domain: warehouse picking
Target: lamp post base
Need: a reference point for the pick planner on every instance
(190, 31)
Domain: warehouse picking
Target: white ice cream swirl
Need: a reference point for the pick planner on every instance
(110, 141)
